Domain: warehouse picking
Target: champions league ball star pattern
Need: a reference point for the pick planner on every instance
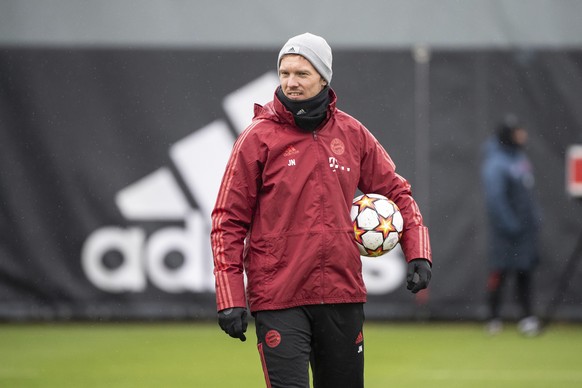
(377, 224)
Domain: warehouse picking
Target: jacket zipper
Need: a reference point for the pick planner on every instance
(321, 250)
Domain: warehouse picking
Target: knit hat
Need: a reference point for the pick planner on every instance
(506, 128)
(313, 48)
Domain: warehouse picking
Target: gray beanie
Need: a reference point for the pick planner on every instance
(313, 48)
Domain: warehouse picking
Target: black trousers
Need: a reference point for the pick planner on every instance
(328, 337)
(496, 285)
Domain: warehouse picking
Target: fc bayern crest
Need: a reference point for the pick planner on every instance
(272, 338)
(337, 146)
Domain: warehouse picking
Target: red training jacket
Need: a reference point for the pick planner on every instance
(282, 212)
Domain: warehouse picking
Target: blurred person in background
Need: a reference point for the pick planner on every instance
(282, 218)
(514, 219)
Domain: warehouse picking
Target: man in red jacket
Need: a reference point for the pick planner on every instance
(282, 218)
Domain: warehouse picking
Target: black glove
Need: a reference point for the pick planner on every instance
(420, 267)
(234, 322)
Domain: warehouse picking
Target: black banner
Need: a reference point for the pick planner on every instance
(110, 161)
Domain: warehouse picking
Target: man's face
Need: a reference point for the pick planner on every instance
(299, 79)
(520, 136)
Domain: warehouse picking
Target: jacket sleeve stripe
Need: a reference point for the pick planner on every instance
(223, 288)
(427, 245)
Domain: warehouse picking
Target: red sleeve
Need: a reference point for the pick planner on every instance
(378, 175)
(231, 220)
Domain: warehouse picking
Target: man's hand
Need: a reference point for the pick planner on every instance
(234, 322)
(420, 268)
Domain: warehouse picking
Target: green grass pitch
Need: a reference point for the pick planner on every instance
(200, 355)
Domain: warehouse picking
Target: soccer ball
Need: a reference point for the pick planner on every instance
(377, 224)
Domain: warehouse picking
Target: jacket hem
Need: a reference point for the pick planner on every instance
(287, 305)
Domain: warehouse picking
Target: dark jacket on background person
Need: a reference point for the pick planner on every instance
(512, 209)
(282, 212)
